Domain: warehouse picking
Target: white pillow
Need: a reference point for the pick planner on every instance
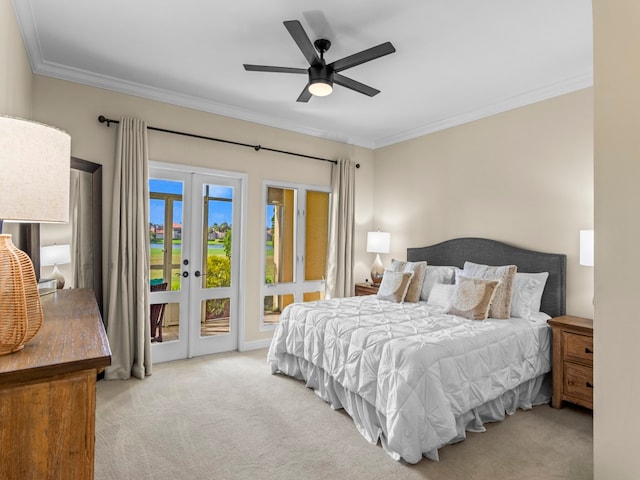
(527, 293)
(435, 275)
(441, 295)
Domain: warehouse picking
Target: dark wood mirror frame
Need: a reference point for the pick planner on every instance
(30, 232)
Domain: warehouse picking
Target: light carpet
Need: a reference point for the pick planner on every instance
(225, 417)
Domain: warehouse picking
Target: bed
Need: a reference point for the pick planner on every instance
(412, 375)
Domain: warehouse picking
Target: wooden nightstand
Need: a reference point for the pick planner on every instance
(366, 289)
(572, 361)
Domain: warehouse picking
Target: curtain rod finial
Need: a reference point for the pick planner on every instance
(103, 119)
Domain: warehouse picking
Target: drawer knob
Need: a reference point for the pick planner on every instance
(589, 385)
(588, 350)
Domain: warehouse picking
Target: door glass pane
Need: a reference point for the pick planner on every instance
(279, 235)
(216, 242)
(317, 233)
(214, 317)
(165, 322)
(165, 232)
(273, 305)
(312, 296)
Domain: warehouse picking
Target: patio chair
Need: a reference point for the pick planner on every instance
(157, 314)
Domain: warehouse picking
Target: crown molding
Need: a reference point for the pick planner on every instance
(62, 72)
(533, 96)
(198, 103)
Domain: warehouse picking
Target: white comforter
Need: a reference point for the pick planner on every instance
(421, 369)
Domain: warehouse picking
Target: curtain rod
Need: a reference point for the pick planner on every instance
(257, 148)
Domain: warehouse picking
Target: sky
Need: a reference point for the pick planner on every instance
(219, 211)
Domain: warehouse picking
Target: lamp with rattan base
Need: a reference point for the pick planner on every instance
(19, 299)
(34, 187)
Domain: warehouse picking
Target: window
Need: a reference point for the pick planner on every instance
(295, 246)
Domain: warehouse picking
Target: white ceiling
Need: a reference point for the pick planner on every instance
(456, 60)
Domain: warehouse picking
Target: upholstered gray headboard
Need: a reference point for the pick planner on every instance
(490, 252)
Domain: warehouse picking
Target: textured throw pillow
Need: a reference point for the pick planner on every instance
(501, 305)
(441, 295)
(419, 270)
(394, 286)
(435, 275)
(527, 293)
(472, 298)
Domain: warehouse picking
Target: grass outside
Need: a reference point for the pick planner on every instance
(215, 247)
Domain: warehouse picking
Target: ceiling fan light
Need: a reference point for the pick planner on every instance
(320, 88)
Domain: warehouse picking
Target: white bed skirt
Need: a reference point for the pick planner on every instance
(372, 424)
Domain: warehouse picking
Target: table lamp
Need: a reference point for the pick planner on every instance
(34, 187)
(378, 242)
(56, 255)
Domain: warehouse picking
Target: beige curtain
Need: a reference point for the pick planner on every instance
(341, 227)
(127, 309)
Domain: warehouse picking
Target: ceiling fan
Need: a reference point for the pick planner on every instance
(322, 76)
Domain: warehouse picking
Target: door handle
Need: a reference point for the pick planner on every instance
(197, 273)
(185, 274)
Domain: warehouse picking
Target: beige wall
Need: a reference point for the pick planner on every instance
(16, 79)
(75, 108)
(524, 177)
(617, 225)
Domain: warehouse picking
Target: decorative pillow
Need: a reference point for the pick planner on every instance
(419, 270)
(434, 275)
(441, 295)
(501, 305)
(472, 298)
(527, 293)
(394, 286)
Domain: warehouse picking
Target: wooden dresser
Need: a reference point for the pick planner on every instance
(48, 392)
(572, 361)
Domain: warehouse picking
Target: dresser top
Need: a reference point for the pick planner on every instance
(72, 338)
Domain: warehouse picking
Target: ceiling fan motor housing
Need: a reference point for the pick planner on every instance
(320, 73)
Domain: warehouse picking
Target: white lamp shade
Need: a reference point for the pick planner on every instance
(34, 171)
(378, 242)
(55, 255)
(586, 247)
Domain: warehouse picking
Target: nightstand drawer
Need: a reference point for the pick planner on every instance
(578, 381)
(578, 348)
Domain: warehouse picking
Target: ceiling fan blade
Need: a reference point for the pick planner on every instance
(353, 85)
(363, 56)
(302, 40)
(305, 95)
(266, 68)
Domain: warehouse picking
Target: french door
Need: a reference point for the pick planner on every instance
(296, 222)
(195, 228)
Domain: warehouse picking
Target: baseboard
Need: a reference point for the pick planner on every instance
(255, 345)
